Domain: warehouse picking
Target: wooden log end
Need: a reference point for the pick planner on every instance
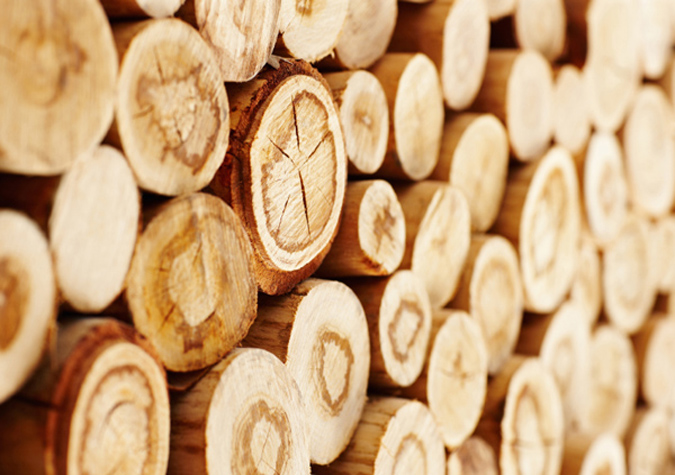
(473, 457)
(541, 25)
(571, 122)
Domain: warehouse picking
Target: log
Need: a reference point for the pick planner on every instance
(540, 25)
(98, 404)
(490, 290)
(119, 9)
(627, 282)
(319, 330)
(190, 288)
(647, 442)
(454, 380)
(394, 436)
(650, 151)
(523, 418)
(310, 30)
(371, 237)
(438, 227)
(665, 249)
(455, 34)
(415, 103)
(58, 61)
(27, 299)
(498, 9)
(285, 172)
(656, 37)
(244, 416)
(654, 350)
(474, 157)
(540, 216)
(399, 324)
(586, 291)
(364, 117)
(613, 391)
(172, 113)
(473, 457)
(518, 89)
(241, 33)
(589, 455)
(571, 121)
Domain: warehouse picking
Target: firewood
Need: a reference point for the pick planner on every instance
(394, 436)
(647, 444)
(399, 323)
(27, 299)
(490, 290)
(665, 249)
(58, 76)
(571, 121)
(541, 216)
(654, 350)
(540, 25)
(474, 158)
(241, 33)
(656, 37)
(141, 8)
(364, 117)
(455, 34)
(454, 380)
(589, 455)
(190, 288)
(285, 172)
(98, 404)
(319, 330)
(586, 291)
(518, 89)
(244, 416)
(438, 236)
(473, 457)
(416, 112)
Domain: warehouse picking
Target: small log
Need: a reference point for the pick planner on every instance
(310, 30)
(319, 330)
(98, 404)
(455, 34)
(613, 390)
(571, 121)
(490, 290)
(474, 158)
(241, 33)
(650, 151)
(627, 280)
(656, 37)
(371, 238)
(540, 25)
(364, 117)
(473, 457)
(647, 442)
(399, 323)
(438, 235)
(589, 455)
(411, 84)
(118, 9)
(518, 89)
(665, 249)
(541, 216)
(498, 9)
(655, 349)
(244, 416)
(394, 436)
(454, 380)
(27, 299)
(58, 76)
(190, 288)
(285, 172)
(586, 291)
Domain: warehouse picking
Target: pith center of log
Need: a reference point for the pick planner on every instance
(411, 456)
(333, 361)
(404, 329)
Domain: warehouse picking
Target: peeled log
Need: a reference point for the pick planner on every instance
(190, 288)
(285, 172)
(571, 121)
(655, 350)
(589, 455)
(473, 457)
(140, 8)
(58, 75)
(647, 442)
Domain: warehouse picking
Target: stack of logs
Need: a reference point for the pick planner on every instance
(345, 237)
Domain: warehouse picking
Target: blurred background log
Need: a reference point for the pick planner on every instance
(571, 121)
(588, 455)
(473, 457)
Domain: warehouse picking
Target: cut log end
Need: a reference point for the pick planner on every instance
(647, 442)
(473, 457)
(540, 25)
(586, 289)
(587, 455)
(655, 347)
(571, 122)
(498, 9)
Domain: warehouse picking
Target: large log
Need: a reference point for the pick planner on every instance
(655, 351)
(571, 121)
(589, 455)
(473, 457)
(647, 442)
(285, 172)
(140, 8)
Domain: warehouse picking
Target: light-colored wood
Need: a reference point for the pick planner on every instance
(589, 455)
(140, 8)
(310, 29)
(518, 89)
(540, 25)
(399, 323)
(571, 120)
(665, 250)
(455, 34)
(319, 330)
(416, 112)
(364, 117)
(656, 37)
(241, 33)
(98, 404)
(627, 281)
(438, 236)
(655, 350)
(474, 158)
(667, 81)
(454, 380)
(541, 216)
(498, 9)
(371, 238)
(613, 389)
(394, 436)
(285, 172)
(27, 299)
(650, 151)
(58, 71)
(245, 415)
(490, 290)
(190, 288)
(473, 457)
(586, 291)
(647, 442)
